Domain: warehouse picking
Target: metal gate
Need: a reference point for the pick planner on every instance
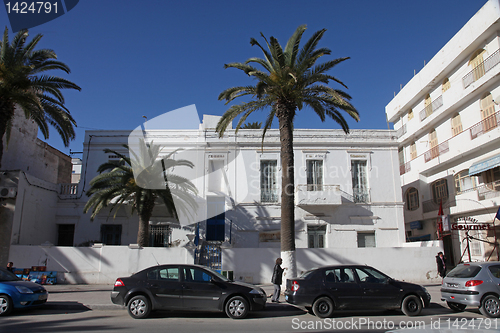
(209, 255)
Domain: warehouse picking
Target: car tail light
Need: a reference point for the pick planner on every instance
(119, 283)
(295, 286)
(472, 283)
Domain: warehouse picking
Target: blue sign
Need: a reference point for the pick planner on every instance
(416, 225)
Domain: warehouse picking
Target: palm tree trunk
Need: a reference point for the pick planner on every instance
(285, 116)
(144, 216)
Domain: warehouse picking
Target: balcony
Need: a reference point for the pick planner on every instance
(480, 70)
(404, 168)
(436, 151)
(401, 131)
(429, 109)
(489, 191)
(68, 190)
(318, 195)
(485, 125)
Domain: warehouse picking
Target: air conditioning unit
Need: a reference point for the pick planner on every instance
(8, 192)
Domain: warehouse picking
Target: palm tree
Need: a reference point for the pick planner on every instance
(289, 81)
(142, 182)
(255, 125)
(39, 96)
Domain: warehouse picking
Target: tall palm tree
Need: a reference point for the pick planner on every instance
(38, 96)
(254, 125)
(135, 182)
(290, 80)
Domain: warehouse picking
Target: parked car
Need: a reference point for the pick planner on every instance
(18, 294)
(330, 288)
(185, 287)
(473, 284)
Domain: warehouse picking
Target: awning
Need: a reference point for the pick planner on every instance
(484, 165)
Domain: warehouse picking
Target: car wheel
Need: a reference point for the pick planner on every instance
(457, 307)
(490, 306)
(323, 307)
(237, 307)
(411, 306)
(139, 307)
(5, 305)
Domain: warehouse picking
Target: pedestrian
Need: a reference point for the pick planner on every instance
(276, 280)
(10, 266)
(441, 264)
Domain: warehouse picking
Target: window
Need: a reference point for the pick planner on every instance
(368, 275)
(440, 191)
(216, 222)
(428, 105)
(316, 236)
(410, 114)
(111, 234)
(159, 235)
(366, 239)
(359, 181)
(339, 275)
(464, 182)
(412, 199)
(166, 274)
(477, 64)
(413, 150)
(196, 275)
(456, 125)
(268, 181)
(492, 178)
(433, 141)
(314, 175)
(488, 113)
(446, 84)
(65, 234)
(475, 243)
(401, 155)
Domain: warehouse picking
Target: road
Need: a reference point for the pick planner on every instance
(276, 318)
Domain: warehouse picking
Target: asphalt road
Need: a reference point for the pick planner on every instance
(276, 318)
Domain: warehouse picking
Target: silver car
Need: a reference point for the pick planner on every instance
(473, 284)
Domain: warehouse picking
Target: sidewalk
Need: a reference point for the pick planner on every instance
(98, 297)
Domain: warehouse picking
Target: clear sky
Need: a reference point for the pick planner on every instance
(145, 58)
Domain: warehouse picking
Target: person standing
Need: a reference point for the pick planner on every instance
(441, 264)
(10, 266)
(276, 280)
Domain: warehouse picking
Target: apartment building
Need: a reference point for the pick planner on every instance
(448, 123)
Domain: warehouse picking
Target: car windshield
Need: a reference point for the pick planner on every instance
(464, 271)
(7, 276)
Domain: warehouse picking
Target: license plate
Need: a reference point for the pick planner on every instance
(42, 297)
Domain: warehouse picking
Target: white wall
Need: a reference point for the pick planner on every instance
(96, 265)
(413, 263)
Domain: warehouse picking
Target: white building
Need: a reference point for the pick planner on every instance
(447, 119)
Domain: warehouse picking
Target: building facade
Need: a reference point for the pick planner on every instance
(447, 118)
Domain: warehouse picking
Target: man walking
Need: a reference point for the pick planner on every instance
(276, 280)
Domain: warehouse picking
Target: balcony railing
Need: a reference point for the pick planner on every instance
(429, 109)
(401, 131)
(431, 205)
(436, 151)
(488, 191)
(485, 125)
(404, 168)
(480, 70)
(361, 195)
(268, 195)
(68, 189)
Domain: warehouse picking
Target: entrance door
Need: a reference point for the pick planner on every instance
(216, 219)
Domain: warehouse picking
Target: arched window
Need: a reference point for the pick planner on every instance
(446, 84)
(488, 112)
(456, 124)
(412, 199)
(439, 191)
(477, 63)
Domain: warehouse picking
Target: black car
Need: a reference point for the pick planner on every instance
(185, 287)
(325, 289)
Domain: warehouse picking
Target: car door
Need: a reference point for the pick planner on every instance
(165, 285)
(199, 292)
(342, 287)
(377, 289)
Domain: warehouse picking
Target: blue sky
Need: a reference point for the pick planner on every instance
(145, 58)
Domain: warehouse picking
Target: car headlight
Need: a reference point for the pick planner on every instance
(257, 292)
(24, 290)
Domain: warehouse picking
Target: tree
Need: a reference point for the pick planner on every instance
(255, 125)
(134, 181)
(38, 96)
(289, 81)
